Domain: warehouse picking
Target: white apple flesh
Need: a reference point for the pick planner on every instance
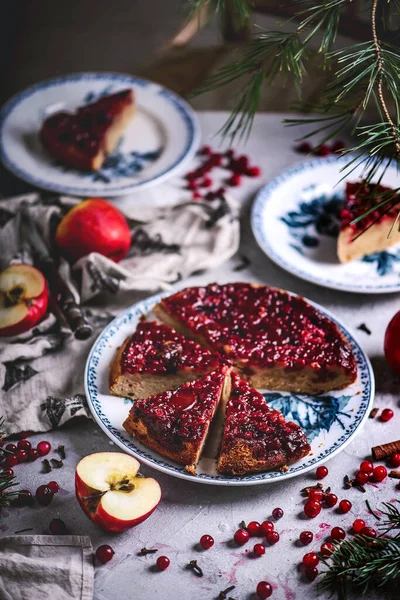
(112, 494)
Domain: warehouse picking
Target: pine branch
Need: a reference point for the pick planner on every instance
(240, 9)
(6, 481)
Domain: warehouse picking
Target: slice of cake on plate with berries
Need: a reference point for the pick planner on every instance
(82, 140)
(359, 198)
(155, 359)
(255, 437)
(175, 423)
(274, 339)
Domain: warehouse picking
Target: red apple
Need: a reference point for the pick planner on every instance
(392, 343)
(111, 493)
(94, 225)
(23, 299)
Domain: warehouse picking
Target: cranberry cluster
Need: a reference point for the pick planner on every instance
(368, 472)
(318, 498)
(22, 452)
(200, 178)
(44, 495)
(322, 150)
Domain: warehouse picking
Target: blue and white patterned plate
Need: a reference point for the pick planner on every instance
(163, 135)
(330, 420)
(295, 219)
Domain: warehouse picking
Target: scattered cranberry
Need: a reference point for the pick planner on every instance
(311, 573)
(306, 537)
(229, 153)
(391, 344)
(272, 537)
(220, 191)
(210, 196)
(321, 472)
(163, 562)
(358, 525)
(24, 498)
(368, 532)
(264, 590)
(362, 477)
(386, 414)
(192, 185)
(33, 455)
(22, 456)
(277, 513)
(44, 495)
(379, 473)
(312, 508)
(207, 182)
(338, 146)
(266, 527)
(235, 180)
(366, 466)
(190, 176)
(206, 541)
(43, 448)
(304, 148)
(315, 494)
(253, 528)
(330, 500)
(395, 460)
(24, 445)
(310, 559)
(7, 473)
(11, 448)
(241, 536)
(216, 159)
(258, 550)
(206, 150)
(253, 172)
(196, 195)
(105, 553)
(323, 150)
(327, 549)
(338, 534)
(345, 506)
(11, 460)
(53, 485)
(57, 527)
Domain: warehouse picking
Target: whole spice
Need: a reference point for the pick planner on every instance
(394, 474)
(364, 328)
(224, 594)
(145, 551)
(57, 464)
(61, 451)
(379, 452)
(193, 566)
(46, 466)
(373, 413)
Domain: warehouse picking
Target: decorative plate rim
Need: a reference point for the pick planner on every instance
(257, 210)
(186, 112)
(143, 307)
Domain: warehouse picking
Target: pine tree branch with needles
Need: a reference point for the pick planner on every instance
(7, 482)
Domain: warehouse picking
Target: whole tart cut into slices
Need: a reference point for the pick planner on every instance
(274, 339)
(155, 359)
(83, 139)
(359, 198)
(175, 423)
(257, 438)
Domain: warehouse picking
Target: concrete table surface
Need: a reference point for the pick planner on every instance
(189, 510)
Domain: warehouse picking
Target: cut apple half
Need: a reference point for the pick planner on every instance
(111, 491)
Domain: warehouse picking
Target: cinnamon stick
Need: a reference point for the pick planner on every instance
(373, 413)
(394, 474)
(379, 452)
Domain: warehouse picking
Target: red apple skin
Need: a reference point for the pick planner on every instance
(37, 308)
(94, 225)
(392, 343)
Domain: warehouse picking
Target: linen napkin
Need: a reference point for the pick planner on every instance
(46, 566)
(41, 371)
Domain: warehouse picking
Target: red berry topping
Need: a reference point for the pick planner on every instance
(206, 541)
(258, 550)
(43, 448)
(327, 549)
(366, 466)
(358, 525)
(379, 473)
(53, 485)
(321, 472)
(386, 414)
(207, 182)
(330, 500)
(277, 513)
(241, 536)
(24, 498)
(235, 180)
(253, 528)
(338, 534)
(311, 573)
(368, 532)
(44, 495)
(206, 150)
(7, 473)
(338, 146)
(24, 445)
(345, 506)
(391, 345)
(312, 508)
(306, 537)
(395, 460)
(323, 150)
(33, 454)
(163, 562)
(266, 526)
(304, 148)
(11, 448)
(104, 553)
(315, 494)
(11, 460)
(22, 456)
(272, 537)
(362, 477)
(264, 590)
(310, 560)
(57, 527)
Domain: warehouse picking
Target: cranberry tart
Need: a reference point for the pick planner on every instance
(175, 423)
(83, 139)
(155, 359)
(255, 437)
(359, 198)
(274, 339)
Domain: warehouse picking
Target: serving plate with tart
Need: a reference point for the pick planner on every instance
(96, 134)
(320, 356)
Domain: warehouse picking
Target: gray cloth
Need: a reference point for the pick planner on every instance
(41, 371)
(34, 567)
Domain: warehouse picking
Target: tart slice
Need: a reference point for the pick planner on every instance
(276, 340)
(257, 438)
(175, 423)
(155, 359)
(83, 139)
(359, 198)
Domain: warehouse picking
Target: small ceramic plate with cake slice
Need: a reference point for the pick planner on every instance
(302, 221)
(96, 134)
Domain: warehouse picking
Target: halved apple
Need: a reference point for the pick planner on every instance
(23, 298)
(112, 493)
